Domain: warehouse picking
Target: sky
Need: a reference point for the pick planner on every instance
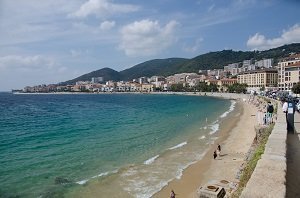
(51, 41)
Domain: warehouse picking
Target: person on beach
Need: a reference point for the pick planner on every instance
(219, 150)
(172, 194)
(215, 154)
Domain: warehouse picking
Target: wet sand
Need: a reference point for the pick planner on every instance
(235, 137)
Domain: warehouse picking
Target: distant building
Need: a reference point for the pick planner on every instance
(222, 83)
(246, 63)
(143, 80)
(257, 79)
(147, 87)
(97, 80)
(180, 78)
(288, 72)
(265, 63)
(218, 73)
(82, 82)
(251, 67)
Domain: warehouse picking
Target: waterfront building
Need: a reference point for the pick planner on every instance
(222, 83)
(288, 72)
(147, 87)
(258, 79)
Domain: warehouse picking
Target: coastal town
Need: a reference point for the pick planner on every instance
(261, 75)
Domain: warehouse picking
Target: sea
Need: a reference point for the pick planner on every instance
(102, 145)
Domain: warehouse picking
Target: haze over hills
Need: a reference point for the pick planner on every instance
(170, 66)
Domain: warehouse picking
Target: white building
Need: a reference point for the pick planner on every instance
(288, 72)
(143, 80)
(97, 80)
(265, 63)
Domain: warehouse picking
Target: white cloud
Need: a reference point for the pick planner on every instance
(79, 52)
(30, 70)
(25, 63)
(102, 8)
(260, 42)
(36, 21)
(147, 37)
(195, 47)
(107, 25)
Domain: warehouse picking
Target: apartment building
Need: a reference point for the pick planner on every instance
(222, 83)
(257, 79)
(288, 72)
(265, 63)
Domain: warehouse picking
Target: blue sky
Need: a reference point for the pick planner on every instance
(53, 41)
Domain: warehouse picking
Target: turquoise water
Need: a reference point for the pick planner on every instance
(80, 137)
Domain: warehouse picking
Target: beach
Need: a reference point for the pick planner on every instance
(235, 137)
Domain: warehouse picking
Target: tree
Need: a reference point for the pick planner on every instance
(212, 88)
(296, 88)
(177, 87)
(237, 88)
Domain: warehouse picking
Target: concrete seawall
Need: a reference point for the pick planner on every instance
(269, 176)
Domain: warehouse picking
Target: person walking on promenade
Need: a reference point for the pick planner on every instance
(270, 110)
(285, 107)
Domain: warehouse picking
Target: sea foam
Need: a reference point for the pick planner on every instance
(151, 160)
(82, 181)
(231, 108)
(100, 175)
(214, 128)
(178, 146)
(202, 137)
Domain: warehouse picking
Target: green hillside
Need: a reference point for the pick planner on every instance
(169, 66)
(153, 67)
(106, 73)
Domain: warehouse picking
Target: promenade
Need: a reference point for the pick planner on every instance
(293, 161)
(277, 172)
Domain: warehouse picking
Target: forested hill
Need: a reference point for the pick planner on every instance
(169, 66)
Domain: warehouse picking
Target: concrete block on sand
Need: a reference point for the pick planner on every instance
(211, 191)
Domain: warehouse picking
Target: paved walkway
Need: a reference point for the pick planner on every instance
(293, 161)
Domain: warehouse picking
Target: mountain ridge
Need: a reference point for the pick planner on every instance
(170, 66)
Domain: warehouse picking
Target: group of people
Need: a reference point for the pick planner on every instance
(266, 117)
(217, 152)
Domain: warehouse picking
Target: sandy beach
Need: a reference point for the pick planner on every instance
(235, 137)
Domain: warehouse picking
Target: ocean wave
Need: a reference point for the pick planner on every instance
(100, 175)
(214, 128)
(82, 181)
(145, 186)
(178, 146)
(202, 137)
(151, 160)
(231, 108)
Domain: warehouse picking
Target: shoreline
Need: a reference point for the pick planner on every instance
(238, 127)
(189, 181)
